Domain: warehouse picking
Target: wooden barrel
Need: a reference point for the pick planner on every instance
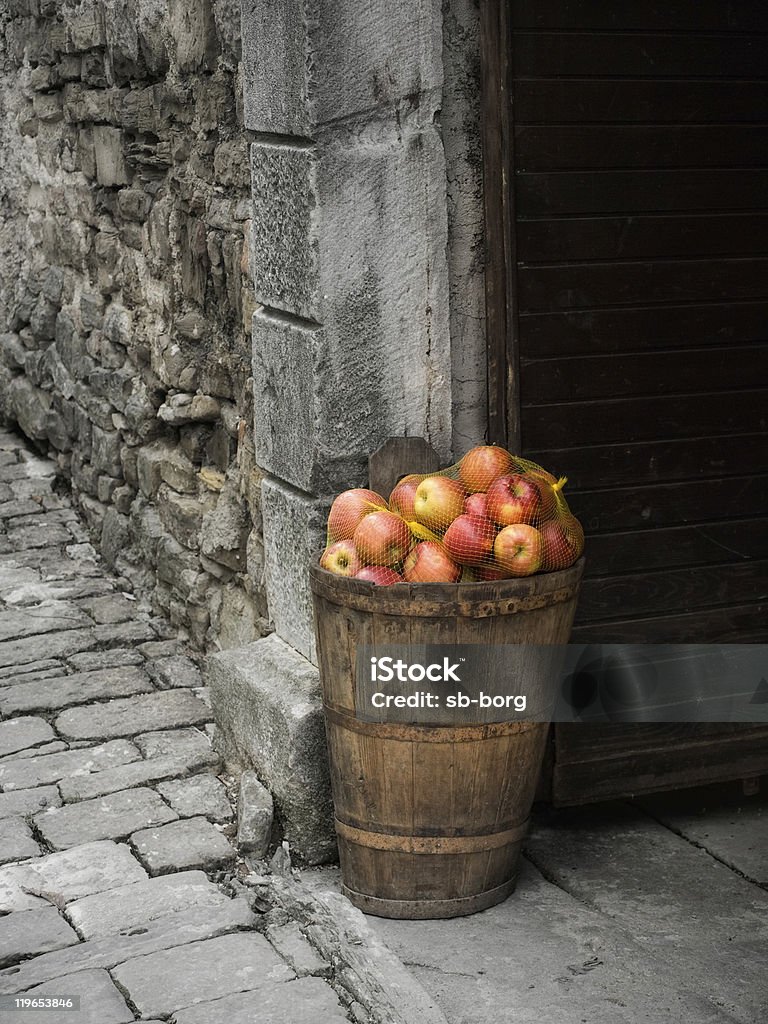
(430, 819)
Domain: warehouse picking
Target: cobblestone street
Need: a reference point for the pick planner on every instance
(115, 884)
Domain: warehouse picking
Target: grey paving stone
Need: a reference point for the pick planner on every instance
(176, 672)
(33, 932)
(200, 794)
(100, 1001)
(79, 688)
(19, 507)
(109, 608)
(24, 732)
(306, 1001)
(688, 910)
(176, 742)
(89, 661)
(29, 537)
(732, 827)
(255, 814)
(33, 677)
(190, 843)
(69, 875)
(29, 801)
(17, 841)
(160, 983)
(135, 905)
(137, 774)
(56, 590)
(80, 763)
(175, 929)
(168, 709)
(109, 817)
(50, 617)
(293, 947)
(36, 667)
(45, 748)
(72, 641)
(160, 648)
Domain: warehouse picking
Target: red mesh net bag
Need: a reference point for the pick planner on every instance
(490, 516)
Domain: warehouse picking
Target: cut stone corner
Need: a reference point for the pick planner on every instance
(269, 718)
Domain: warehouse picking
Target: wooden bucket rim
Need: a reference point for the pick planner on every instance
(472, 600)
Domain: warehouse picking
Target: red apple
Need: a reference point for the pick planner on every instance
(429, 562)
(382, 538)
(514, 499)
(548, 488)
(348, 509)
(379, 574)
(341, 558)
(403, 496)
(477, 504)
(563, 542)
(482, 465)
(438, 501)
(518, 549)
(487, 573)
(469, 539)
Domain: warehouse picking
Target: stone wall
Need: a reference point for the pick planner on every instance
(126, 302)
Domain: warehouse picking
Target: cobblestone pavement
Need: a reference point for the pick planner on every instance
(116, 864)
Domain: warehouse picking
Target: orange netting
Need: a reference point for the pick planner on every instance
(490, 516)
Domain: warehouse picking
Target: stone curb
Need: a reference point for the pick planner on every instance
(364, 967)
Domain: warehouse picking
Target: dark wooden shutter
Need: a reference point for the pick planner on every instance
(640, 156)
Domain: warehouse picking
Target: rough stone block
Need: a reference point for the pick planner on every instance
(255, 813)
(111, 168)
(201, 794)
(139, 903)
(267, 705)
(306, 1001)
(46, 769)
(307, 63)
(191, 843)
(16, 843)
(225, 528)
(177, 927)
(32, 933)
(124, 717)
(294, 531)
(79, 688)
(72, 874)
(160, 983)
(29, 801)
(284, 242)
(24, 732)
(110, 817)
(100, 1001)
(293, 947)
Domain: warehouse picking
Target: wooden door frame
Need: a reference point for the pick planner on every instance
(499, 222)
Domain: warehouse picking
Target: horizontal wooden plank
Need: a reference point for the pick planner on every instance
(675, 590)
(597, 147)
(651, 236)
(638, 419)
(671, 767)
(677, 546)
(600, 741)
(657, 55)
(638, 15)
(626, 100)
(590, 285)
(558, 193)
(646, 506)
(738, 625)
(649, 329)
(653, 373)
(608, 465)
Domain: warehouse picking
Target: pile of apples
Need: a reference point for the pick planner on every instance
(491, 517)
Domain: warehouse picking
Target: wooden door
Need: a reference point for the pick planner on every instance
(628, 309)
